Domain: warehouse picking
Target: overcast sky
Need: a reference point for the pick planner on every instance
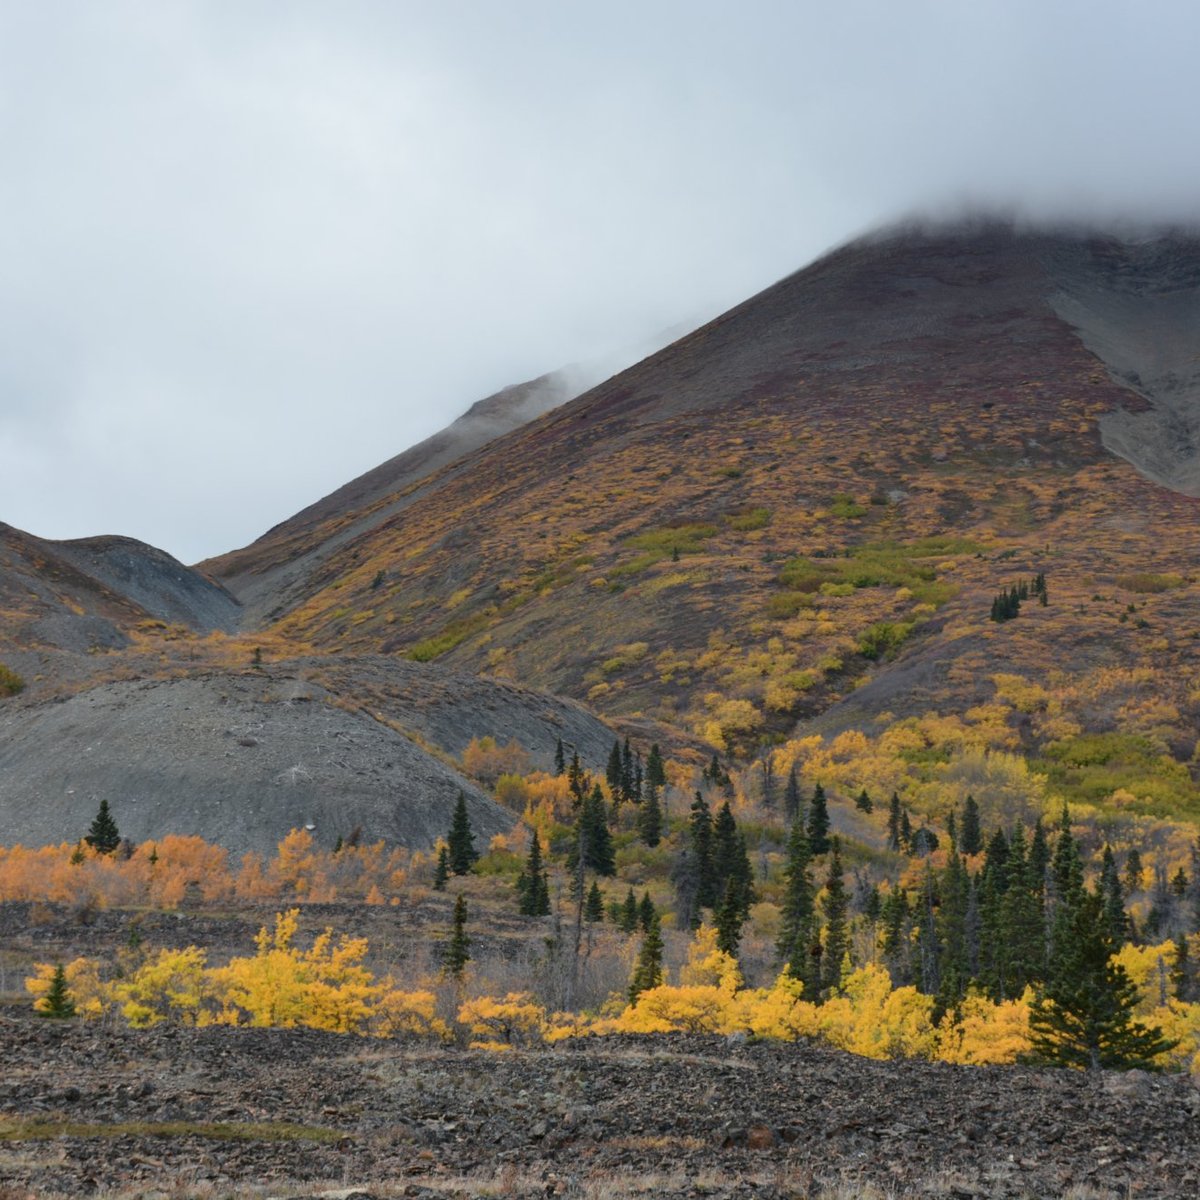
(251, 249)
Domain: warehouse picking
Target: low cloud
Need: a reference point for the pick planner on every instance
(252, 250)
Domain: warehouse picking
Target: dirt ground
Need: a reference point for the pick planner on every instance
(173, 1112)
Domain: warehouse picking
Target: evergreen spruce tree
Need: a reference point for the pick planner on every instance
(797, 925)
(863, 801)
(929, 946)
(990, 888)
(441, 872)
(560, 759)
(954, 969)
(1023, 923)
(730, 860)
(1084, 1017)
(647, 913)
(818, 822)
(58, 1005)
(1114, 902)
(1133, 872)
(724, 845)
(906, 832)
(650, 819)
(593, 839)
(792, 800)
(647, 971)
(685, 878)
(971, 835)
(103, 836)
(577, 780)
(700, 831)
(460, 841)
(627, 771)
(533, 888)
(593, 908)
(728, 919)
(894, 822)
(458, 949)
(896, 919)
(656, 771)
(613, 774)
(835, 905)
(629, 913)
(1183, 974)
(1066, 882)
(1039, 857)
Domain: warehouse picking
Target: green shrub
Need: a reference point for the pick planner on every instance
(845, 506)
(10, 682)
(883, 638)
(784, 605)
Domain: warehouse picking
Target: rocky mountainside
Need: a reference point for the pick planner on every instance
(802, 511)
(795, 519)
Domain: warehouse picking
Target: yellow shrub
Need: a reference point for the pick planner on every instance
(517, 1020)
(90, 995)
(173, 985)
(408, 1014)
(985, 1032)
(871, 1019)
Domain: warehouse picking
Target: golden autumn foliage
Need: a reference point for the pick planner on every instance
(484, 759)
(92, 997)
(409, 1014)
(985, 1032)
(324, 987)
(180, 869)
(327, 986)
(173, 985)
(500, 1024)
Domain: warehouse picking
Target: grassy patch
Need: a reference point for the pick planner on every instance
(753, 518)
(1148, 583)
(671, 542)
(845, 506)
(879, 564)
(450, 637)
(42, 1129)
(687, 539)
(1094, 766)
(10, 682)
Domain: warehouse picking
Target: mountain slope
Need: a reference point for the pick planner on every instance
(276, 566)
(821, 487)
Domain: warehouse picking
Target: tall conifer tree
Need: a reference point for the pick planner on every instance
(818, 822)
(460, 841)
(835, 905)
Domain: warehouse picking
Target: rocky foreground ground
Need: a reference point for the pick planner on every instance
(229, 1113)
